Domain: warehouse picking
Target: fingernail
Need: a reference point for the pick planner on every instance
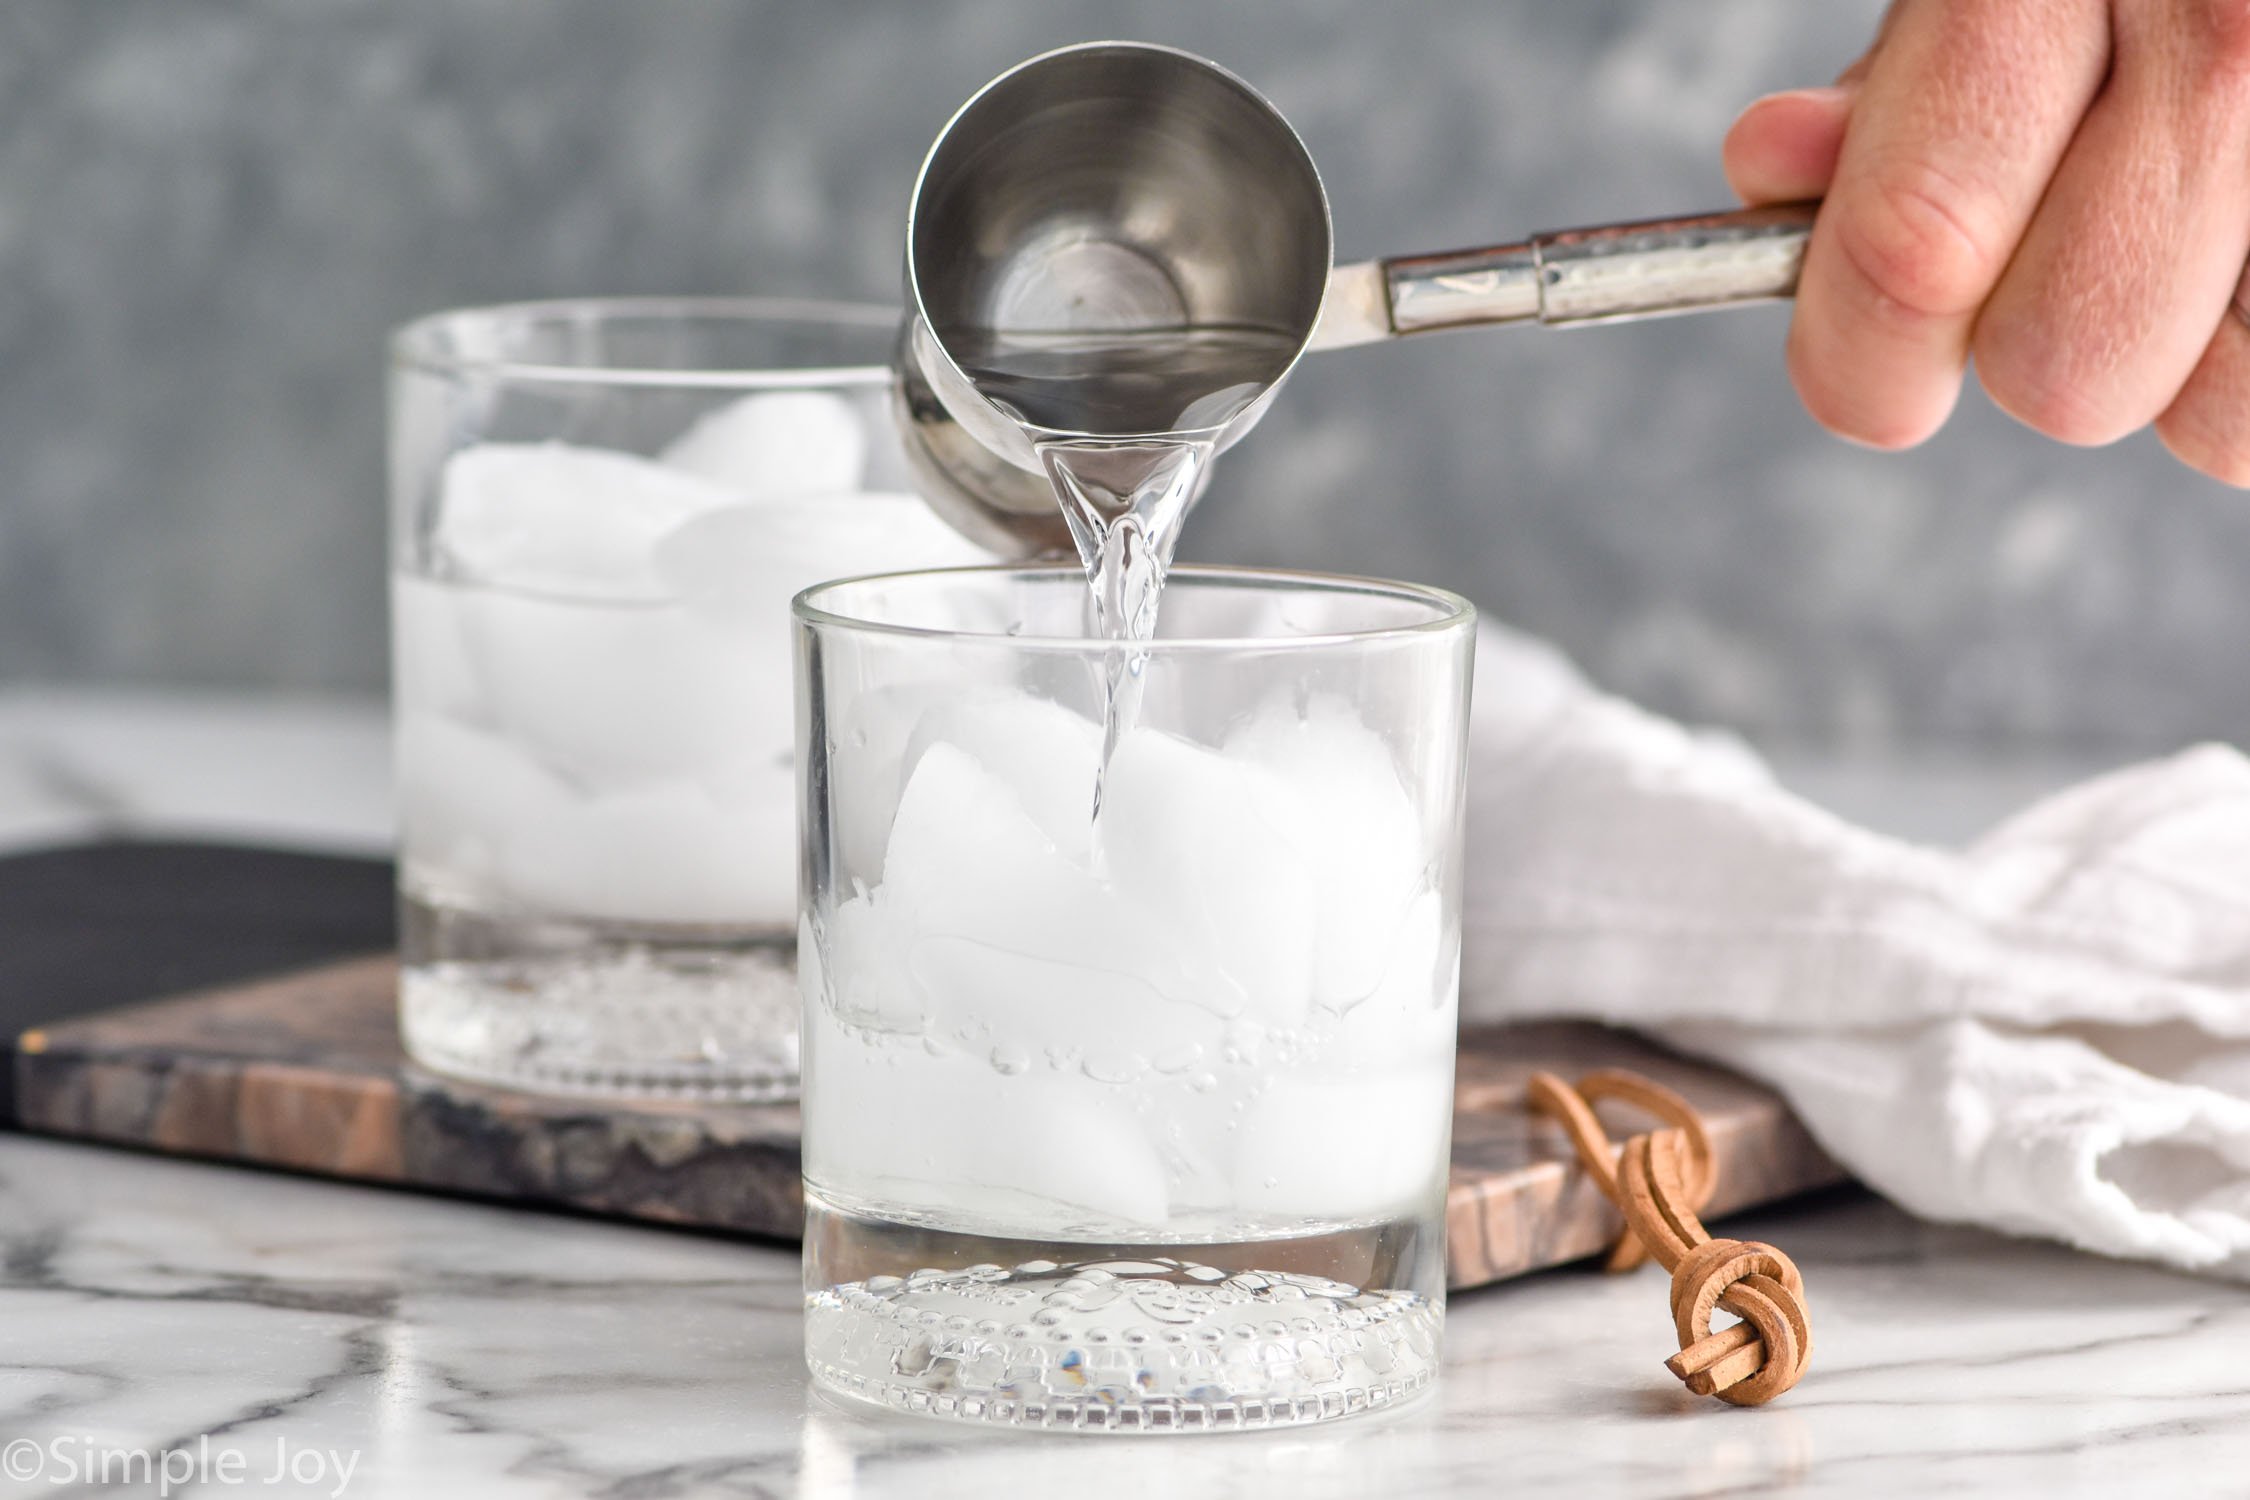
(1823, 96)
(1830, 100)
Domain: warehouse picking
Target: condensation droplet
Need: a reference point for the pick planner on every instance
(1179, 1059)
(1113, 1069)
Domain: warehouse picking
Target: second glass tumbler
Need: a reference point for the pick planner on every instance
(600, 511)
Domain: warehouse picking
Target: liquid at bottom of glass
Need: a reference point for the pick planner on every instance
(1325, 1322)
(597, 1008)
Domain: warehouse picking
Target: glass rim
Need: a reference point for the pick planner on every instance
(1453, 612)
(410, 342)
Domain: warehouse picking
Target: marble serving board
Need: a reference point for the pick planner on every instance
(304, 1072)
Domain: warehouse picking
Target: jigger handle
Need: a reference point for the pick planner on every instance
(1610, 274)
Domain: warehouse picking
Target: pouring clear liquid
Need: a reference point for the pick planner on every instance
(1126, 424)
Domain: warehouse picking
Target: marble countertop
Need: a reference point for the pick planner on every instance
(160, 1316)
(445, 1348)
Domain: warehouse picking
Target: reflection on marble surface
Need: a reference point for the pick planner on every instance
(462, 1349)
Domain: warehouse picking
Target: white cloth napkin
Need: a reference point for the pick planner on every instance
(2047, 1033)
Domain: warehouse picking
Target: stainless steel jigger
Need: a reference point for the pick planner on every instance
(1121, 186)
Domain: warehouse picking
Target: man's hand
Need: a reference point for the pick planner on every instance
(2060, 188)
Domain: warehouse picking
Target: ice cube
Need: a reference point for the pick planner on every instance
(757, 813)
(1046, 755)
(610, 694)
(1355, 1126)
(1212, 849)
(1361, 835)
(746, 562)
(868, 741)
(617, 694)
(702, 687)
(1010, 944)
(1409, 1018)
(657, 853)
(957, 819)
(886, 1118)
(737, 569)
(1353, 1147)
(466, 798)
(432, 667)
(776, 443)
(858, 967)
(563, 519)
(485, 820)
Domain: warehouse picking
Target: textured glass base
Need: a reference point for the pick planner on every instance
(580, 1010)
(1122, 1339)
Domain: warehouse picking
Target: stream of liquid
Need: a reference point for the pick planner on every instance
(1126, 425)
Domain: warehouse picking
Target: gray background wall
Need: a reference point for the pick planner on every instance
(210, 212)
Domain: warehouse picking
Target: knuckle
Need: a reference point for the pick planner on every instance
(1922, 241)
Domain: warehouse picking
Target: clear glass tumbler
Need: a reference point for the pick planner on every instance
(599, 514)
(1130, 1119)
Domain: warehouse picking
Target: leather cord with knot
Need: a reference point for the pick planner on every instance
(1659, 1180)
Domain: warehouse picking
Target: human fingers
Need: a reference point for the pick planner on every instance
(1962, 115)
(2207, 426)
(2114, 293)
(1783, 148)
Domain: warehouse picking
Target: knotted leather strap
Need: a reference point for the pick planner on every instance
(1658, 1182)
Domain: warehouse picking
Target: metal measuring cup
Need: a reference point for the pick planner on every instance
(1125, 186)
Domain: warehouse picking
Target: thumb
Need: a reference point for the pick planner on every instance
(1784, 147)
